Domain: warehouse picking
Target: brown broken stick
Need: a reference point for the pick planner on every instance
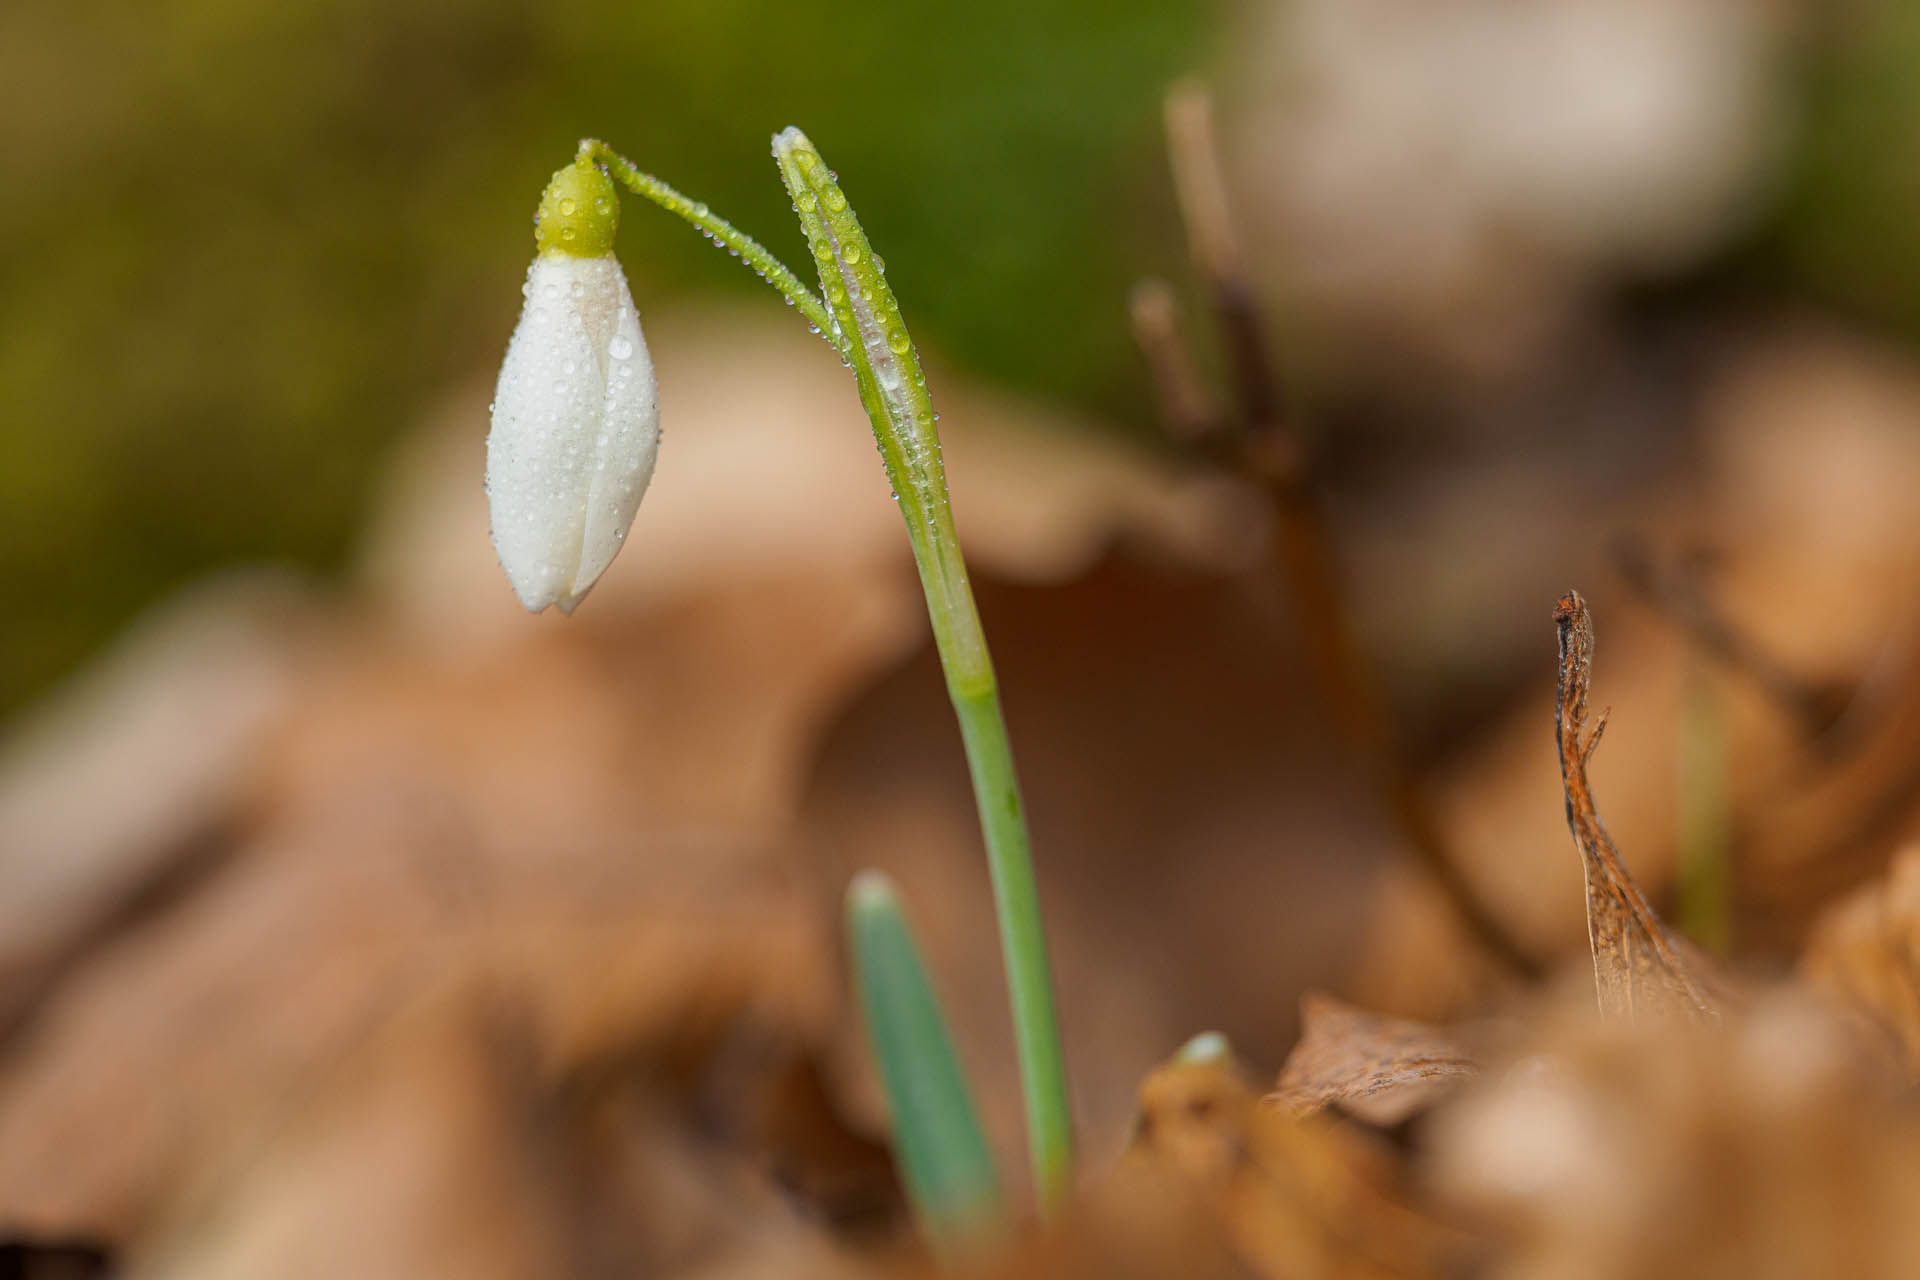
(1638, 966)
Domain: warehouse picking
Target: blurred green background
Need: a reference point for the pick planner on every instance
(248, 243)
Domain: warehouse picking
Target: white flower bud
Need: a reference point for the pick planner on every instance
(576, 422)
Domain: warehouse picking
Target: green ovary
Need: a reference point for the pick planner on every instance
(578, 212)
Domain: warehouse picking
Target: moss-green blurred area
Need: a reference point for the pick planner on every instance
(1851, 221)
(246, 243)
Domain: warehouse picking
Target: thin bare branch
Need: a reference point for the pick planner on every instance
(1187, 407)
(1198, 182)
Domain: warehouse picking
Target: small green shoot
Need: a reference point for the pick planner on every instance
(943, 1154)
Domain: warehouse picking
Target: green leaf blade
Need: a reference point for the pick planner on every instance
(943, 1155)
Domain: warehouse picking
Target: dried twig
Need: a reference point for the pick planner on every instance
(1637, 965)
(1186, 406)
(1267, 448)
(1215, 249)
(1199, 184)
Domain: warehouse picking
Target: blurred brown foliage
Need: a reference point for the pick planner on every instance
(386, 929)
(508, 943)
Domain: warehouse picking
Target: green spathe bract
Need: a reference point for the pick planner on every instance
(861, 320)
(873, 337)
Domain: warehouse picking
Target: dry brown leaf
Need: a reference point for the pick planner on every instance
(1865, 950)
(1638, 967)
(1759, 1146)
(1818, 462)
(1379, 1069)
(1140, 1224)
(441, 1146)
(582, 838)
(116, 797)
(1192, 1118)
(1299, 1198)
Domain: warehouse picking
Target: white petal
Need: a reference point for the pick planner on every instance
(546, 416)
(625, 449)
(576, 426)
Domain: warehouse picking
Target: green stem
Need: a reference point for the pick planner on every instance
(893, 389)
(717, 228)
(1023, 944)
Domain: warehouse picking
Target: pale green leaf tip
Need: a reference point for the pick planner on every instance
(870, 891)
(579, 212)
(1208, 1046)
(791, 144)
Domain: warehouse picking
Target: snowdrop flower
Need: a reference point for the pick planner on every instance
(576, 423)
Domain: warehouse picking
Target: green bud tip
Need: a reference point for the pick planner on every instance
(579, 212)
(870, 891)
(792, 144)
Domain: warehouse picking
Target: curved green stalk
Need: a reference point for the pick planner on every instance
(943, 1154)
(893, 389)
(717, 228)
